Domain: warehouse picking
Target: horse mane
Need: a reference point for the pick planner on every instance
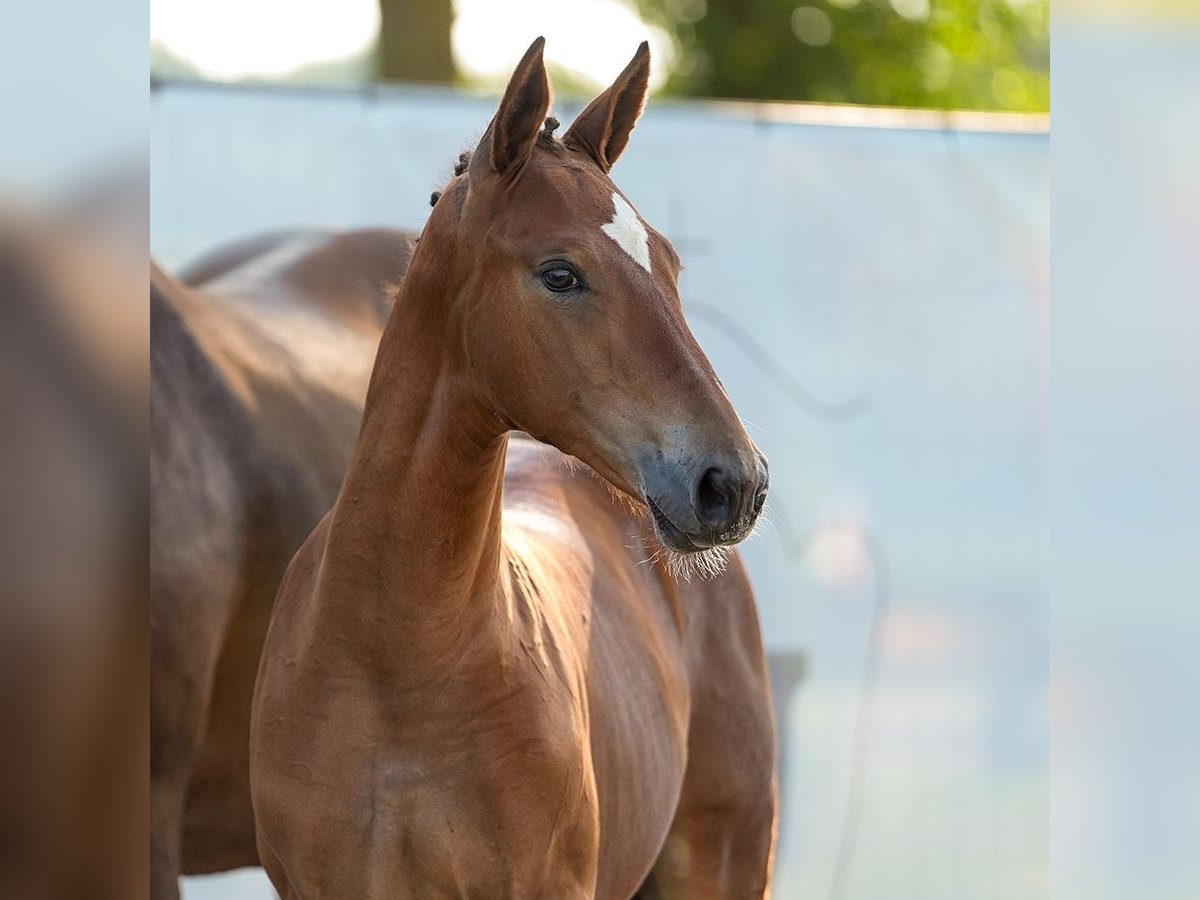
(546, 139)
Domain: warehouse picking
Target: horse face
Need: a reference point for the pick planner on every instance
(576, 322)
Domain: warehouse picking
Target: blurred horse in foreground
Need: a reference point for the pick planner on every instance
(73, 592)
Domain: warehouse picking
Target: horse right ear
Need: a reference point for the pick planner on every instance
(602, 129)
(510, 137)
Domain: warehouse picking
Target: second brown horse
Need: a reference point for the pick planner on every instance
(472, 686)
(258, 367)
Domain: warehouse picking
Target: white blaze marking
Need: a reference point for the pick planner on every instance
(629, 232)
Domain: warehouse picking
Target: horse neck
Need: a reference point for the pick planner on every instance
(415, 533)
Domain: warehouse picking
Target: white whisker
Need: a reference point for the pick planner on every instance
(704, 564)
(747, 424)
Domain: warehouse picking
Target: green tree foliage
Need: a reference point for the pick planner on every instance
(414, 41)
(946, 54)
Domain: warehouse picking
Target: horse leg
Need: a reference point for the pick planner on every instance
(716, 853)
(166, 815)
(720, 843)
(182, 664)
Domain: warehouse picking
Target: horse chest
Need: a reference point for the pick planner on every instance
(502, 803)
(541, 764)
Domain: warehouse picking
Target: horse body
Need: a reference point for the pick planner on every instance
(472, 685)
(539, 744)
(259, 363)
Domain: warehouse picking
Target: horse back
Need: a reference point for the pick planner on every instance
(351, 276)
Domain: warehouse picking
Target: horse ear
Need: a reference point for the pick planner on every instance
(603, 128)
(509, 138)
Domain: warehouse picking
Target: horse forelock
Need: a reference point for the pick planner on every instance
(545, 140)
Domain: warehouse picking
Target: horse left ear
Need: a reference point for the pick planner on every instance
(509, 138)
(603, 128)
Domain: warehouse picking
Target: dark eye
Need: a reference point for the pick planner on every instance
(560, 280)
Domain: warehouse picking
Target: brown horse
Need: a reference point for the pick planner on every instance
(259, 365)
(471, 687)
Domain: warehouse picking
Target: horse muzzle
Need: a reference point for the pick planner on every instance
(710, 501)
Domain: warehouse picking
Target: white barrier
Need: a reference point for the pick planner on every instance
(873, 288)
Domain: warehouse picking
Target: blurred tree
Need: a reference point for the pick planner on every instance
(948, 54)
(414, 41)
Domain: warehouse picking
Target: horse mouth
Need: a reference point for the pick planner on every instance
(671, 536)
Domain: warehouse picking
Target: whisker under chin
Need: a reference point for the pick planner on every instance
(703, 564)
(653, 558)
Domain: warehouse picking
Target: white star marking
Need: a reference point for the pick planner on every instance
(629, 232)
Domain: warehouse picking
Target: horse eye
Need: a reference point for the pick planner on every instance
(560, 280)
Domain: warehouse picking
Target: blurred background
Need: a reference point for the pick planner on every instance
(945, 54)
(860, 192)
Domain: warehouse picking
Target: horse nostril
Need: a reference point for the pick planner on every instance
(715, 500)
(764, 481)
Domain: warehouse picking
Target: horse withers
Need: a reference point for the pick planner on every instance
(487, 671)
